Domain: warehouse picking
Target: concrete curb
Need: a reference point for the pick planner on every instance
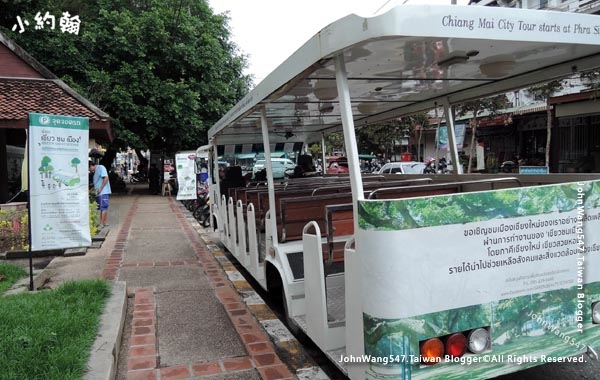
(102, 364)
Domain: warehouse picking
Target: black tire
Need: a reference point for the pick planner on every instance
(197, 213)
(205, 220)
(277, 296)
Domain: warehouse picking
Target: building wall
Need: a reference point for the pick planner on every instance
(11, 66)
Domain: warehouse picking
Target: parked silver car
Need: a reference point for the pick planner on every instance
(408, 167)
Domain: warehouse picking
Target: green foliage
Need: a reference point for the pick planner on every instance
(591, 80)
(382, 137)
(14, 229)
(49, 334)
(164, 70)
(14, 234)
(94, 218)
(492, 105)
(546, 90)
(334, 142)
(9, 274)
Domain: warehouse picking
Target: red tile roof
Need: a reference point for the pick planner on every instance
(18, 97)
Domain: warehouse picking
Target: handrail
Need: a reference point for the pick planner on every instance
(328, 188)
(459, 185)
(428, 180)
(492, 181)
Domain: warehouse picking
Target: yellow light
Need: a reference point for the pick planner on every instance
(432, 351)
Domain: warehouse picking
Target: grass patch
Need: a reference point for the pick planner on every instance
(9, 274)
(49, 334)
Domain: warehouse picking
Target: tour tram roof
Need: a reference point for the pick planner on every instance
(411, 59)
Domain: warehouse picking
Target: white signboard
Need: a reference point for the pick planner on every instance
(58, 181)
(186, 176)
(515, 248)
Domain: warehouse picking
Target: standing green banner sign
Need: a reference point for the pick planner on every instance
(58, 181)
(186, 176)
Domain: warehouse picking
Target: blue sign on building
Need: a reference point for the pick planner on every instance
(533, 170)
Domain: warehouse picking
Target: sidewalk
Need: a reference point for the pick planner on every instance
(190, 314)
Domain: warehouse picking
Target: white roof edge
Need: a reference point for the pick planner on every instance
(444, 21)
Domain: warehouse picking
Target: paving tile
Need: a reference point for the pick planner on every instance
(175, 373)
(259, 348)
(264, 360)
(143, 330)
(247, 329)
(145, 350)
(254, 338)
(142, 375)
(142, 340)
(279, 372)
(143, 307)
(234, 306)
(206, 369)
(143, 314)
(142, 322)
(147, 362)
(237, 364)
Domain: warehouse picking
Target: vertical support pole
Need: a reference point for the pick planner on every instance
(216, 178)
(323, 154)
(215, 188)
(353, 310)
(349, 134)
(29, 219)
(271, 185)
(457, 167)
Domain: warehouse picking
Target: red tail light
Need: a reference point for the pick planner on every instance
(456, 345)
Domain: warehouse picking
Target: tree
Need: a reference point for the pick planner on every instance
(544, 92)
(383, 137)
(476, 107)
(165, 70)
(591, 80)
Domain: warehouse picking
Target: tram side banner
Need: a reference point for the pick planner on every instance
(523, 262)
(186, 175)
(58, 181)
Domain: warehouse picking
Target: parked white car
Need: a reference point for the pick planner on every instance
(408, 167)
(280, 167)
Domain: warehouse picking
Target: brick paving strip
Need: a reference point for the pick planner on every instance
(286, 345)
(143, 357)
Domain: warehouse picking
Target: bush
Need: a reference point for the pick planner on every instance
(14, 228)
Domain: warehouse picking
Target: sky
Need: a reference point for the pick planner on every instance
(269, 31)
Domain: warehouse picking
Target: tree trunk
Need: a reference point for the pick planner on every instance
(472, 146)
(548, 132)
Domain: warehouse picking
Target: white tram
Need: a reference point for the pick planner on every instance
(398, 276)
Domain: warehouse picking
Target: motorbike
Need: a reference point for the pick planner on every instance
(202, 209)
(204, 219)
(138, 177)
(442, 166)
(507, 166)
(430, 166)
